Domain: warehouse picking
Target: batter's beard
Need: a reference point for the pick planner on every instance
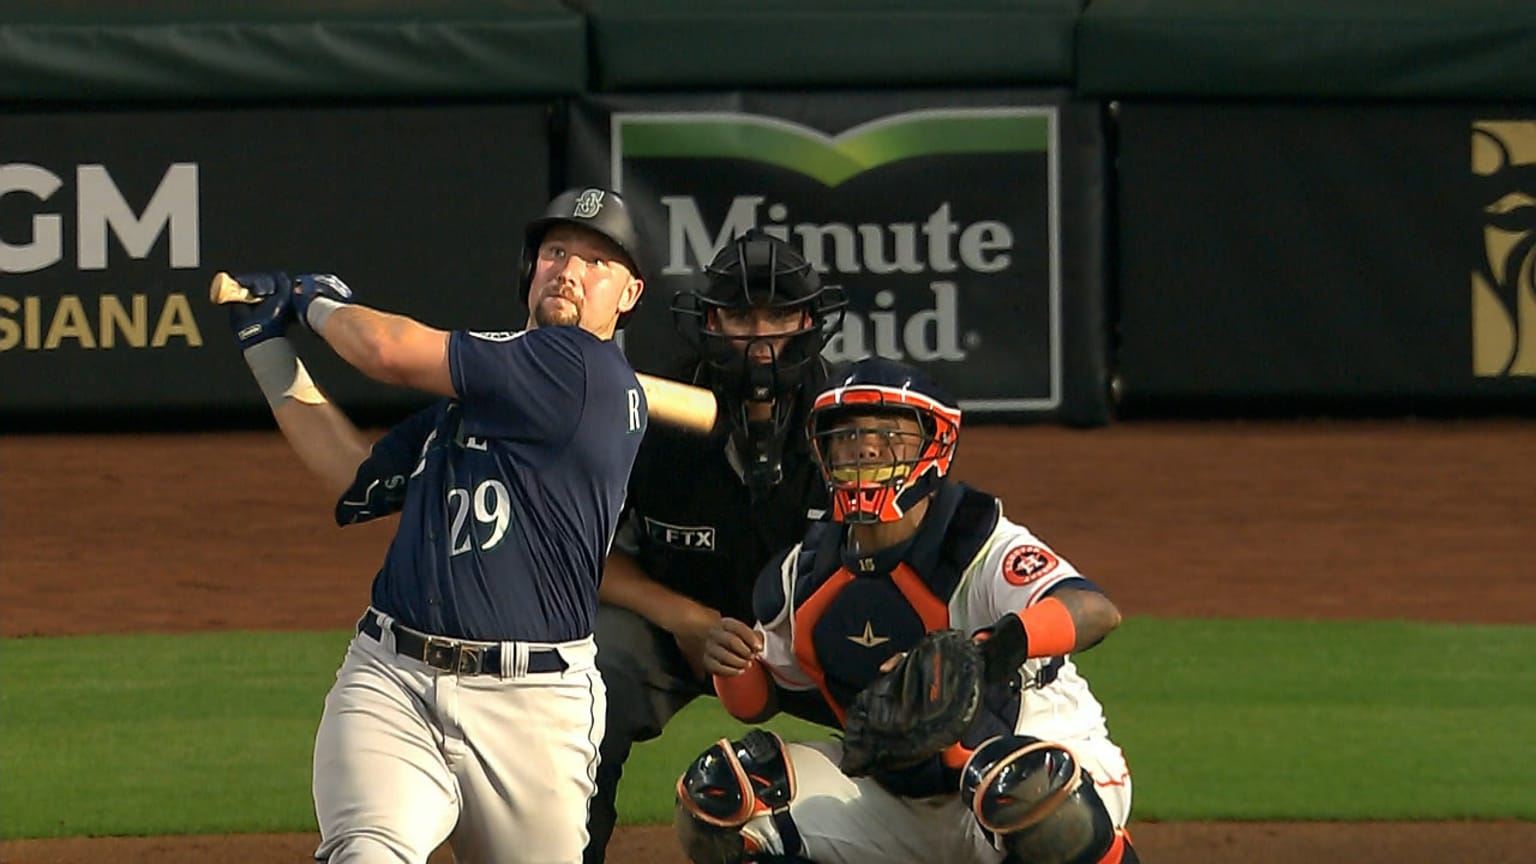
(547, 314)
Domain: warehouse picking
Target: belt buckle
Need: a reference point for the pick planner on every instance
(471, 660)
(441, 654)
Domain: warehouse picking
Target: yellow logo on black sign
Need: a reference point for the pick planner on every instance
(1504, 284)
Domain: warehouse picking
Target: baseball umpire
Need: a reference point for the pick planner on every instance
(704, 514)
(469, 707)
(939, 633)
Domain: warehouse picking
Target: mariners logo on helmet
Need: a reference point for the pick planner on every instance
(593, 209)
(588, 203)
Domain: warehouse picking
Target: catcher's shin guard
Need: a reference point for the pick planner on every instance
(727, 786)
(1035, 795)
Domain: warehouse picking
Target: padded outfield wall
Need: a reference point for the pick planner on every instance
(1332, 201)
(1067, 212)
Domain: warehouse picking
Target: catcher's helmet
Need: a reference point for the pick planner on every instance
(882, 489)
(758, 270)
(600, 210)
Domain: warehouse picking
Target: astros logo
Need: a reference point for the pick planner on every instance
(1026, 564)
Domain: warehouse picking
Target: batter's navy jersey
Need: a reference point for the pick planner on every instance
(511, 492)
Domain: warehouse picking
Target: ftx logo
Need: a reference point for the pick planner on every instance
(699, 538)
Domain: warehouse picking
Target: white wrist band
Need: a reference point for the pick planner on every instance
(281, 374)
(320, 309)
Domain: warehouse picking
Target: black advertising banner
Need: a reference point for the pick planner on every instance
(1372, 258)
(966, 228)
(112, 224)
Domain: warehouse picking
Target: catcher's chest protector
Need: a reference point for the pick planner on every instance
(851, 614)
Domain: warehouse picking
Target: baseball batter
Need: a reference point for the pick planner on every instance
(469, 707)
(1035, 779)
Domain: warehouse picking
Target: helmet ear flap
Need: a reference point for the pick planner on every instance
(529, 258)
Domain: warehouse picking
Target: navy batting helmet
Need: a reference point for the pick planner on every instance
(892, 470)
(600, 210)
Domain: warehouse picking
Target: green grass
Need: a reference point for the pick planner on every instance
(1272, 720)
(160, 734)
(1220, 720)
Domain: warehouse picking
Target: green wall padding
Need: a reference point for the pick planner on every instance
(790, 44)
(1429, 49)
(107, 50)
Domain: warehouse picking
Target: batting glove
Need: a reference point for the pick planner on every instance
(268, 318)
(316, 296)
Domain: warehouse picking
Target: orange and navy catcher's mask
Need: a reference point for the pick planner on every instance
(882, 489)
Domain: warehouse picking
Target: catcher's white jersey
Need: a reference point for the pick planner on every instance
(1013, 570)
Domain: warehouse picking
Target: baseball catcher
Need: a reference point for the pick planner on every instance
(938, 635)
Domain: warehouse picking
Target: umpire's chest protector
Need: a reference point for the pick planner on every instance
(851, 613)
(701, 532)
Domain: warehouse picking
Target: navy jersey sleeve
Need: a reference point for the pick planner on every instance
(1076, 582)
(529, 385)
(768, 598)
(378, 489)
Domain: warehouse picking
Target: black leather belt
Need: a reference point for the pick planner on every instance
(456, 655)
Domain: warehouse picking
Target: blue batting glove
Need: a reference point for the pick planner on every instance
(309, 287)
(254, 323)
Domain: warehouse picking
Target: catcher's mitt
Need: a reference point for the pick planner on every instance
(917, 709)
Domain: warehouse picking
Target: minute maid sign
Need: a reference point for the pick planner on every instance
(941, 224)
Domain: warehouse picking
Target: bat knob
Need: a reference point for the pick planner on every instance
(226, 289)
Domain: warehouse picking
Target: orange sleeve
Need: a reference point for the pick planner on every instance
(745, 695)
(1051, 629)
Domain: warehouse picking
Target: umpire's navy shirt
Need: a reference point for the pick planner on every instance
(512, 491)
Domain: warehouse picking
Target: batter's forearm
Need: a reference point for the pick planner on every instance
(328, 444)
(389, 348)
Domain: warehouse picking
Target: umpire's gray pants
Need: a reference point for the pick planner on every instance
(648, 681)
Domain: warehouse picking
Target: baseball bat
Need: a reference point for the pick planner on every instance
(670, 402)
